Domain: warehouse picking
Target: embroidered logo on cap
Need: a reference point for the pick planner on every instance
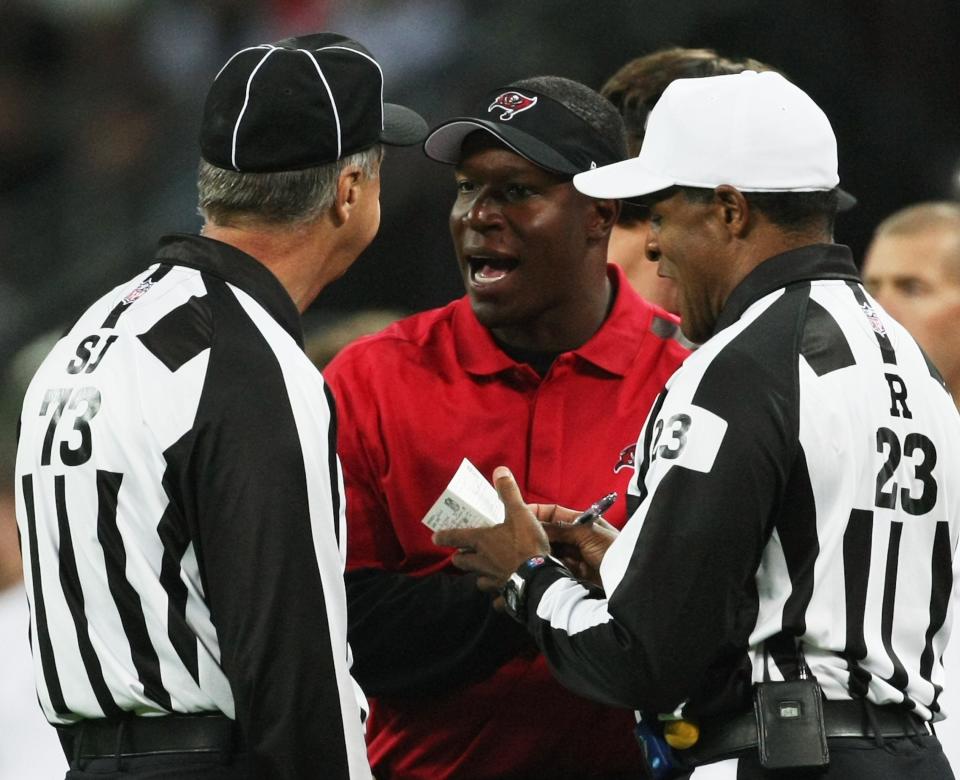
(511, 104)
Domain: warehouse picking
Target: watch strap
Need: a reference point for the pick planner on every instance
(532, 564)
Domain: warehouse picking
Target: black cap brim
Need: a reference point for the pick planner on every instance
(402, 126)
(845, 201)
(445, 142)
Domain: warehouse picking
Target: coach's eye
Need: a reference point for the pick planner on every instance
(515, 192)
(465, 185)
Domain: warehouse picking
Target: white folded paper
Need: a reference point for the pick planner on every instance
(469, 501)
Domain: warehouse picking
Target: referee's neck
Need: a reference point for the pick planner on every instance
(304, 256)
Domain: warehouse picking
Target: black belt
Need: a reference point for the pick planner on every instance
(143, 736)
(841, 719)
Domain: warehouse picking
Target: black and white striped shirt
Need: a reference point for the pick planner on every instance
(799, 484)
(180, 507)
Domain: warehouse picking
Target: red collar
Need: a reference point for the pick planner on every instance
(612, 348)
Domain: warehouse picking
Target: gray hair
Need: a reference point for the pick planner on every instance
(278, 198)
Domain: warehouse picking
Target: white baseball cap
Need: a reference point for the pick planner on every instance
(754, 131)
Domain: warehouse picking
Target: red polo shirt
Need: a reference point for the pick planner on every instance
(413, 401)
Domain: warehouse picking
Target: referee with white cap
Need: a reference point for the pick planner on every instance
(779, 601)
(179, 498)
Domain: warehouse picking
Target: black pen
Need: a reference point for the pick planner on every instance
(596, 509)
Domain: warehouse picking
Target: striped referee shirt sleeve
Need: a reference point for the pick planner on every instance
(713, 463)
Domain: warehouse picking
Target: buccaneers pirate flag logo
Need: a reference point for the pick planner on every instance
(511, 104)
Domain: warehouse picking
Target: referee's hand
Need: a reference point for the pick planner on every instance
(494, 553)
(580, 547)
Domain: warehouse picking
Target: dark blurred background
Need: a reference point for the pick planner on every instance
(100, 101)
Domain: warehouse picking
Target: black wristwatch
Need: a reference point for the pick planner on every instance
(515, 589)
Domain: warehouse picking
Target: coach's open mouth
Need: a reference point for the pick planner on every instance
(488, 269)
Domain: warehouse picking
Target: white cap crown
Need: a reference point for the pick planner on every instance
(754, 131)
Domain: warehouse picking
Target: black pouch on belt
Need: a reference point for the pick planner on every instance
(790, 726)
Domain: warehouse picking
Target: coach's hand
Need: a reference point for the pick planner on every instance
(494, 553)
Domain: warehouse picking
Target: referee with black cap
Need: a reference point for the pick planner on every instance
(179, 498)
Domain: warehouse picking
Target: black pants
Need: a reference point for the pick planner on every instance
(900, 758)
(173, 766)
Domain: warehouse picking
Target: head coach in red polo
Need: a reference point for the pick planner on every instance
(550, 363)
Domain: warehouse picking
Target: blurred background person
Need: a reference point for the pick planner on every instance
(912, 268)
(634, 89)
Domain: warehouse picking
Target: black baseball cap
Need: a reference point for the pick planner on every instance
(534, 125)
(299, 103)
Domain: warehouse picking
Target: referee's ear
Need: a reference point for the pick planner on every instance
(734, 209)
(348, 193)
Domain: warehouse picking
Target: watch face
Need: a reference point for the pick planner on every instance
(510, 596)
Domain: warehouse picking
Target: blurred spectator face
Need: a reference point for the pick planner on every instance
(521, 236)
(916, 278)
(628, 242)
